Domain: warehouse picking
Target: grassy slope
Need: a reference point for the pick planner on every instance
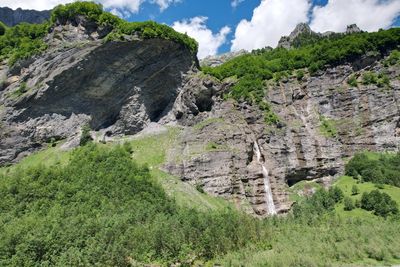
(346, 183)
(150, 150)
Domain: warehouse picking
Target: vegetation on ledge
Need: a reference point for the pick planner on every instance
(25, 40)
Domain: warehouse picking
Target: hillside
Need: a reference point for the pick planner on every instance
(118, 149)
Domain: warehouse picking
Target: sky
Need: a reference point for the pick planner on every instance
(231, 25)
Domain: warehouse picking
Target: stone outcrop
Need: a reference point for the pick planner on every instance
(303, 30)
(213, 61)
(13, 17)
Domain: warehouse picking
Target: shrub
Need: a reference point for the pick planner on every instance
(85, 135)
(369, 77)
(393, 58)
(348, 204)
(299, 75)
(199, 188)
(352, 81)
(355, 190)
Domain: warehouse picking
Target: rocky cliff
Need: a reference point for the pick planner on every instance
(12, 17)
(324, 121)
(116, 87)
(119, 87)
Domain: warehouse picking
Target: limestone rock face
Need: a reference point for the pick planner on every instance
(13, 17)
(323, 122)
(116, 87)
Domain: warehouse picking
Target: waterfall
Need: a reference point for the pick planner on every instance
(267, 186)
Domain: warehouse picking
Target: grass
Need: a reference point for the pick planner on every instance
(47, 157)
(346, 183)
(201, 125)
(151, 150)
(328, 127)
(296, 192)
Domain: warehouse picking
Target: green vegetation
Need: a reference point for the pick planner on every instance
(348, 204)
(378, 168)
(104, 209)
(393, 58)
(26, 40)
(22, 89)
(146, 30)
(299, 75)
(22, 41)
(352, 81)
(328, 127)
(381, 79)
(85, 136)
(3, 28)
(355, 190)
(380, 203)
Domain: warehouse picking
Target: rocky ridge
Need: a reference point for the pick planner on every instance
(12, 17)
(304, 30)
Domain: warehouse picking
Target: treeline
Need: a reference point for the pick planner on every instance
(25, 40)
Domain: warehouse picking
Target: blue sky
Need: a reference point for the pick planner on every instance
(220, 26)
(221, 13)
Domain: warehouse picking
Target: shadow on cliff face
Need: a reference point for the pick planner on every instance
(146, 74)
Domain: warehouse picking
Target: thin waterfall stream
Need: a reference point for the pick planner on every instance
(267, 186)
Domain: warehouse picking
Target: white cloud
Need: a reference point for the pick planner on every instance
(164, 4)
(369, 15)
(235, 3)
(119, 7)
(271, 19)
(197, 29)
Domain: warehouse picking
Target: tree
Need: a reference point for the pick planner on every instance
(355, 190)
(2, 28)
(85, 136)
(348, 204)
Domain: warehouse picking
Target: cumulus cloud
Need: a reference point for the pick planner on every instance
(197, 29)
(235, 3)
(369, 15)
(119, 7)
(271, 19)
